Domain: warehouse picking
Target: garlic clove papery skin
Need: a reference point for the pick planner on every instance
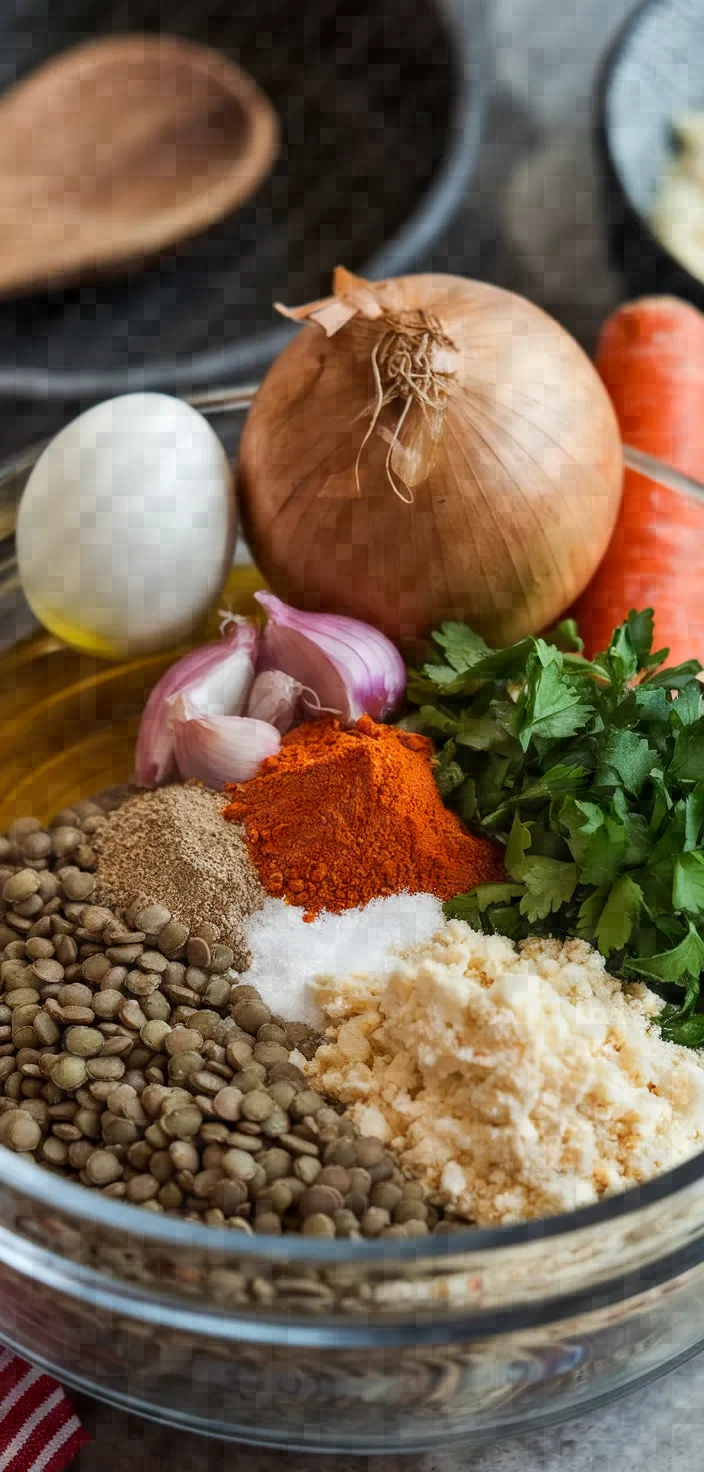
(217, 677)
(223, 689)
(275, 697)
(344, 665)
(310, 666)
(219, 749)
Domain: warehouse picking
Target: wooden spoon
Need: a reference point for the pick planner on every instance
(119, 148)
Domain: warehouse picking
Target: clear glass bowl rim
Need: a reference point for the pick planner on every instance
(76, 1201)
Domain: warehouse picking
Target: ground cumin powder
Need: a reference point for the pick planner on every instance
(171, 847)
(340, 817)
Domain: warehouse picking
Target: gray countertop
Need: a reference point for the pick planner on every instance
(661, 1427)
(532, 223)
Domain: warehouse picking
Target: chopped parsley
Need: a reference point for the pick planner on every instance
(591, 773)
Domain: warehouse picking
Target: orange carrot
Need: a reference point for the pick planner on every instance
(651, 358)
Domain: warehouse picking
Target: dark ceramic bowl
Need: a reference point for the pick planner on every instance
(379, 108)
(653, 72)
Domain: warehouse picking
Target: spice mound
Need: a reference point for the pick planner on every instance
(340, 817)
(171, 848)
(515, 1081)
(289, 957)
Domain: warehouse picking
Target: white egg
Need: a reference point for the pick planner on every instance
(127, 524)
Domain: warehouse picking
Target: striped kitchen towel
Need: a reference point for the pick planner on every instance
(39, 1429)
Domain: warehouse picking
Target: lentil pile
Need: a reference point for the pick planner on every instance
(171, 847)
(340, 817)
(130, 1062)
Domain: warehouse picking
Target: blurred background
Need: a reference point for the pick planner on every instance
(454, 135)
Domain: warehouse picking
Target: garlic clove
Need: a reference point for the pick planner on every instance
(217, 678)
(352, 669)
(224, 687)
(275, 697)
(218, 749)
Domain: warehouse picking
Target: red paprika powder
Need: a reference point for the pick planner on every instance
(340, 817)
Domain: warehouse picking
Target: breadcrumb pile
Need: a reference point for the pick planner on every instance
(513, 1081)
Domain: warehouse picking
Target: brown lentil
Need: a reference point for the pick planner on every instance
(20, 886)
(75, 995)
(129, 1063)
(102, 1168)
(77, 885)
(152, 919)
(173, 936)
(22, 1131)
(152, 961)
(68, 1073)
(154, 1033)
(85, 1042)
(318, 1225)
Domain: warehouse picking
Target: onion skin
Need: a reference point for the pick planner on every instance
(520, 501)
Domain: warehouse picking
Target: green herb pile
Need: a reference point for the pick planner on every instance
(592, 773)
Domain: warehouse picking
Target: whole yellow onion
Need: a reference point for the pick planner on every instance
(430, 448)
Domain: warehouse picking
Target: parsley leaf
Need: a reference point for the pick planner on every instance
(694, 815)
(556, 780)
(489, 731)
(550, 707)
(590, 913)
(604, 854)
(464, 907)
(493, 894)
(684, 960)
(689, 1033)
(518, 842)
(640, 628)
(435, 719)
(689, 707)
(621, 657)
(615, 924)
(688, 883)
(463, 648)
(627, 761)
(549, 884)
(687, 763)
(676, 678)
(565, 636)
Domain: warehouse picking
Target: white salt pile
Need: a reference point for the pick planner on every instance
(289, 954)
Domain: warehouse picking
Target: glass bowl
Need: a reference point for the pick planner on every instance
(287, 1342)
